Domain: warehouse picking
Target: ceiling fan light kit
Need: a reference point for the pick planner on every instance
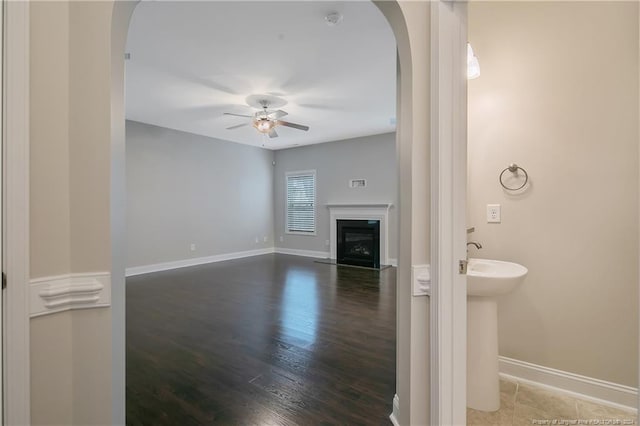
(265, 121)
(263, 125)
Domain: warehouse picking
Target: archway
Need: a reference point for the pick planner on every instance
(412, 378)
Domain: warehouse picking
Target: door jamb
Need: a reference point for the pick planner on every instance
(448, 212)
(16, 137)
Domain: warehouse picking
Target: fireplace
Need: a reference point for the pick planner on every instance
(360, 211)
(358, 243)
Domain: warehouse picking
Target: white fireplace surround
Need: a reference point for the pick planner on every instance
(360, 211)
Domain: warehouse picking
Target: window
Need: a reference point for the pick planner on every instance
(301, 202)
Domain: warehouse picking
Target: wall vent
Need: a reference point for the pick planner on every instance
(357, 183)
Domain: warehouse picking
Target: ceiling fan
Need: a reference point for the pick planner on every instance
(265, 121)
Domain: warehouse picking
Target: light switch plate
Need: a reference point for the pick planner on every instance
(493, 213)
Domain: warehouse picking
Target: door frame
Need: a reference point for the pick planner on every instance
(448, 212)
(16, 221)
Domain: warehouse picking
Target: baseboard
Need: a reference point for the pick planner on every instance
(305, 253)
(317, 254)
(49, 295)
(165, 266)
(596, 390)
(157, 267)
(396, 407)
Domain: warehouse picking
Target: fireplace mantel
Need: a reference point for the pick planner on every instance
(360, 211)
(359, 205)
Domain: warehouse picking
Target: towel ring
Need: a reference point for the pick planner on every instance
(513, 168)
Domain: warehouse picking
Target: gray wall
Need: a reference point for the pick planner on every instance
(184, 188)
(558, 95)
(372, 158)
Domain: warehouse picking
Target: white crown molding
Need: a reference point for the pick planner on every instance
(60, 293)
(305, 253)
(396, 407)
(175, 264)
(596, 390)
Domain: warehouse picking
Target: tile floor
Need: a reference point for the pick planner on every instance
(522, 404)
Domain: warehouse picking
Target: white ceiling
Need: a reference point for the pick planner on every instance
(192, 61)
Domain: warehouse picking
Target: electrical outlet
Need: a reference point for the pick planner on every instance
(192, 247)
(326, 243)
(493, 213)
(281, 239)
(257, 240)
(265, 239)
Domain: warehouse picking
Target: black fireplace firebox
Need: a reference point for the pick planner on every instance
(358, 243)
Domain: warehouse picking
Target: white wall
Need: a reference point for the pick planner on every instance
(558, 95)
(372, 158)
(184, 188)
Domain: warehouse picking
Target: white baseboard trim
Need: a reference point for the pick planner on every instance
(396, 407)
(175, 264)
(318, 254)
(60, 293)
(588, 388)
(305, 253)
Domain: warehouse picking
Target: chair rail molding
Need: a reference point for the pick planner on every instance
(60, 293)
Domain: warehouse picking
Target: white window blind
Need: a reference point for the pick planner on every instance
(301, 202)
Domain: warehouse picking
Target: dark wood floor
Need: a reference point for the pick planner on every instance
(267, 340)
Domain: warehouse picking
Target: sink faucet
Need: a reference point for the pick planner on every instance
(473, 243)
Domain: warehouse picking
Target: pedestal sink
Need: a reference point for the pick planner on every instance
(486, 279)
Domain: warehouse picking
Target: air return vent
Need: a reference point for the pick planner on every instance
(357, 183)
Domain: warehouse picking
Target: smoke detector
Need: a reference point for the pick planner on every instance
(333, 19)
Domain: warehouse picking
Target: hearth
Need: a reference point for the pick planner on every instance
(358, 243)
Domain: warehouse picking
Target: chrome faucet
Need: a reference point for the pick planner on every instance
(477, 245)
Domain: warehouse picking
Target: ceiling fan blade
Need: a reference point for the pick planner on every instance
(273, 133)
(277, 114)
(237, 126)
(293, 125)
(237, 115)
